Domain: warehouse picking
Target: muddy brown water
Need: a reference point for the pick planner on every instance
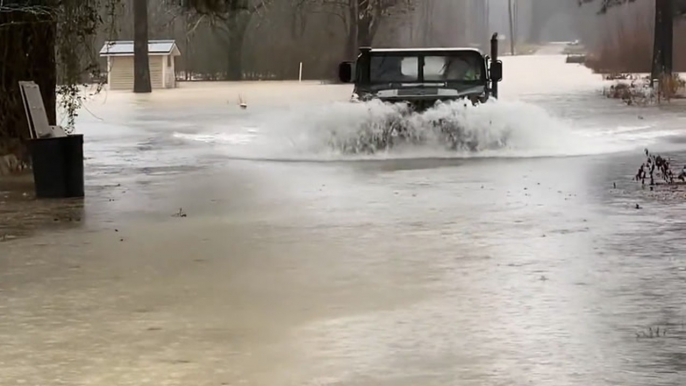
(295, 266)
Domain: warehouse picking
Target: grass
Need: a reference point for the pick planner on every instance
(671, 87)
(635, 90)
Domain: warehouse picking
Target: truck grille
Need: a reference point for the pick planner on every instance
(415, 91)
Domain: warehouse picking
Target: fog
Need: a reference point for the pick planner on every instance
(445, 23)
(321, 33)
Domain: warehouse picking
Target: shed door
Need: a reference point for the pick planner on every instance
(156, 75)
(121, 73)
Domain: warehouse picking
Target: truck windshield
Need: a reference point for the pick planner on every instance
(394, 67)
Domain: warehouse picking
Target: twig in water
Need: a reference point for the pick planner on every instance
(180, 213)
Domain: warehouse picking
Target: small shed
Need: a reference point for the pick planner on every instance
(161, 54)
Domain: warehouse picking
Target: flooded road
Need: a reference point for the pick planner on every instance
(297, 265)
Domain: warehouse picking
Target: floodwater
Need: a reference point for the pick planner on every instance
(299, 265)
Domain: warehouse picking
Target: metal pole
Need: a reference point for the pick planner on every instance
(494, 58)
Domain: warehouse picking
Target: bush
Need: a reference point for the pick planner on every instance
(635, 90)
(671, 87)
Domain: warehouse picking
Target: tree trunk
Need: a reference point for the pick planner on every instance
(535, 27)
(351, 42)
(237, 25)
(663, 46)
(351, 46)
(657, 40)
(27, 53)
(511, 20)
(369, 17)
(235, 63)
(668, 37)
(364, 33)
(426, 17)
(141, 61)
(480, 20)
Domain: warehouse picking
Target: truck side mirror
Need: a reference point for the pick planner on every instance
(345, 72)
(497, 71)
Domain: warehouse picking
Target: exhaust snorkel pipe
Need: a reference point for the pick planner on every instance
(494, 59)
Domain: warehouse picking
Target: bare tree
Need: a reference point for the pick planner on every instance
(663, 47)
(230, 18)
(362, 19)
(239, 39)
(21, 59)
(49, 42)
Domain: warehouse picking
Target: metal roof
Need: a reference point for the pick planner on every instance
(433, 49)
(125, 48)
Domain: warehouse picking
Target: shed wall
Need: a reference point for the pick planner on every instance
(121, 72)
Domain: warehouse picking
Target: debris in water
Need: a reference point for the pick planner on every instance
(180, 213)
(242, 102)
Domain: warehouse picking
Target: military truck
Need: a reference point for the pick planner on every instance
(419, 79)
(424, 76)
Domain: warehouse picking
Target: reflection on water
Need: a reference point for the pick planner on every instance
(22, 214)
(389, 271)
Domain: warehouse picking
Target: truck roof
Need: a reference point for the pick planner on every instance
(432, 49)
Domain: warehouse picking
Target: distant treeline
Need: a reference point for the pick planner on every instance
(267, 39)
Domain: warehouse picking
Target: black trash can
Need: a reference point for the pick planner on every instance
(58, 166)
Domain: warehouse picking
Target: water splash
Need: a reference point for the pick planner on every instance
(334, 131)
